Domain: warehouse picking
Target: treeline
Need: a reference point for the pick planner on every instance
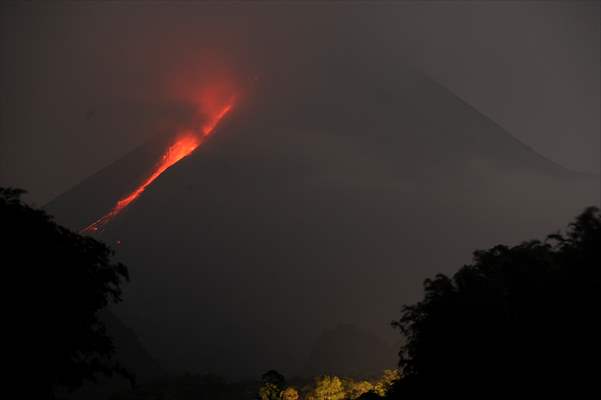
(327, 387)
(519, 320)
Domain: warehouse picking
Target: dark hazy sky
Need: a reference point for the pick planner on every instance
(83, 84)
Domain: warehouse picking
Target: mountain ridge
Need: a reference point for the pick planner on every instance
(307, 208)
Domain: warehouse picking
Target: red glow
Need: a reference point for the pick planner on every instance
(185, 143)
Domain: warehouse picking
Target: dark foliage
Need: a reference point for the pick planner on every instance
(59, 282)
(519, 318)
(273, 377)
(370, 396)
(272, 384)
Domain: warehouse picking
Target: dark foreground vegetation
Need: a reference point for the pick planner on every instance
(60, 281)
(521, 319)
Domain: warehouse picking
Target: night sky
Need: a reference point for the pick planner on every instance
(84, 84)
(368, 148)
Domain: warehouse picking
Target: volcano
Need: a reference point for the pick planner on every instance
(315, 204)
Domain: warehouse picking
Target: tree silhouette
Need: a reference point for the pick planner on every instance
(273, 384)
(519, 318)
(371, 395)
(60, 281)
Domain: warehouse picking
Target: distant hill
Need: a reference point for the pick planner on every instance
(323, 198)
(348, 351)
(130, 353)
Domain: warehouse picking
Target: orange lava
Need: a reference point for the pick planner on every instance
(210, 125)
(184, 144)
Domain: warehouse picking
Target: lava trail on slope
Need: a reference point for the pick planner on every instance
(183, 145)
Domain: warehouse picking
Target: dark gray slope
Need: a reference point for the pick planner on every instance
(315, 203)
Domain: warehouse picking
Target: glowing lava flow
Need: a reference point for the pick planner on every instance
(184, 145)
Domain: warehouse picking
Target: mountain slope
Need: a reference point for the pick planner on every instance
(315, 204)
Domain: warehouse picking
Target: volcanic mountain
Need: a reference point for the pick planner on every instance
(322, 198)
